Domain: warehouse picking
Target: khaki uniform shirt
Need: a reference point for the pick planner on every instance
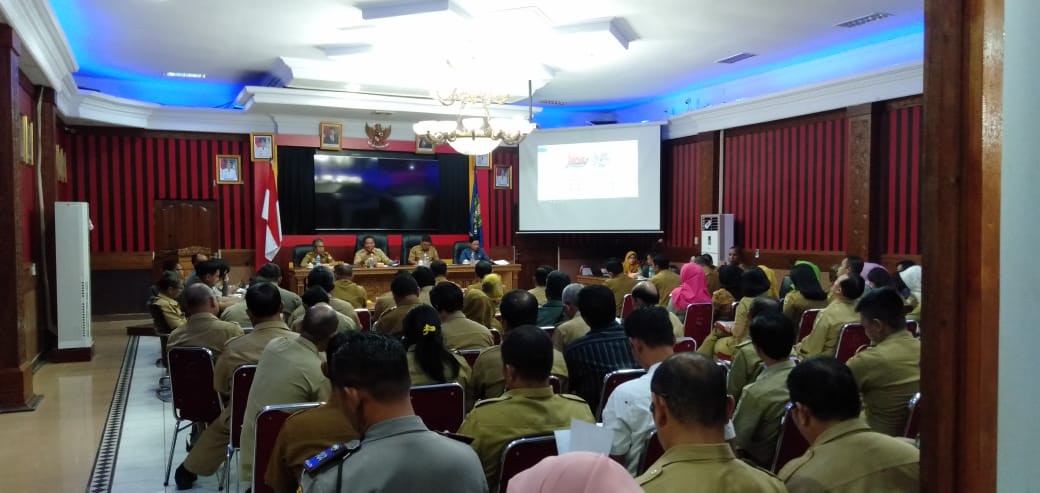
(290, 301)
(424, 295)
(849, 458)
(756, 420)
(622, 285)
(246, 350)
(795, 305)
(204, 330)
(289, 371)
(569, 331)
(326, 258)
(416, 252)
(823, 340)
(744, 369)
(304, 435)
(493, 423)
(171, 311)
(665, 281)
(463, 333)
(677, 325)
(347, 290)
(419, 377)
(488, 380)
(342, 307)
(362, 256)
(237, 314)
(344, 324)
(709, 468)
(888, 374)
(539, 294)
(392, 321)
(711, 278)
(383, 303)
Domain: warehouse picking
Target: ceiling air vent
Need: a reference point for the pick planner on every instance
(736, 58)
(552, 102)
(859, 21)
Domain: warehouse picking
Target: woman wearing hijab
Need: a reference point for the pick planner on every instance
(807, 294)
(631, 265)
(494, 289)
(692, 289)
(723, 299)
(576, 472)
(911, 276)
(754, 283)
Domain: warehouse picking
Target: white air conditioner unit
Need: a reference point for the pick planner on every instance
(716, 236)
(72, 251)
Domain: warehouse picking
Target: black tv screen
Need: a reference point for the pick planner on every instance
(366, 192)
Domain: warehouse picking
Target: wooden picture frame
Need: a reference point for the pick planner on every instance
(330, 136)
(503, 177)
(261, 147)
(228, 169)
(482, 162)
(423, 145)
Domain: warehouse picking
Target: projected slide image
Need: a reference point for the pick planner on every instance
(592, 170)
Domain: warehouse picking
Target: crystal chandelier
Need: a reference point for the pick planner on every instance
(475, 136)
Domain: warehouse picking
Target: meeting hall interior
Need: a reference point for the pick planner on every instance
(419, 245)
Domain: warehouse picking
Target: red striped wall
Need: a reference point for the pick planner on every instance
(900, 178)
(121, 176)
(785, 183)
(498, 205)
(681, 176)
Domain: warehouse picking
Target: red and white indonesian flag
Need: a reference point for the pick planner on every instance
(270, 218)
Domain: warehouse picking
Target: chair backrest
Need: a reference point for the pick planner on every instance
(496, 336)
(365, 317)
(805, 325)
(651, 452)
(457, 249)
(611, 381)
(853, 336)
(913, 327)
(269, 423)
(441, 406)
(381, 241)
(685, 345)
(549, 329)
(627, 305)
(241, 382)
(791, 444)
(299, 251)
(913, 419)
(407, 242)
(191, 379)
(470, 355)
(698, 321)
(158, 319)
(522, 454)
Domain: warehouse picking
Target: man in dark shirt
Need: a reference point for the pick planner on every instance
(551, 312)
(604, 349)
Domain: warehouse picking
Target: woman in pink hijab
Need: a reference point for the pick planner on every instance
(693, 289)
(576, 472)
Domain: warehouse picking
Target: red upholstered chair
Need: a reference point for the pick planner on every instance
(653, 451)
(610, 382)
(791, 443)
(556, 384)
(685, 345)
(913, 419)
(194, 400)
(627, 306)
(852, 338)
(496, 336)
(913, 327)
(698, 321)
(805, 325)
(522, 454)
(241, 382)
(470, 355)
(268, 423)
(441, 406)
(365, 317)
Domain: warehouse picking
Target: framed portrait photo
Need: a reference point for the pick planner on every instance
(229, 169)
(482, 161)
(330, 135)
(262, 146)
(423, 145)
(503, 177)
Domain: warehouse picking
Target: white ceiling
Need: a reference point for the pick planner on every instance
(675, 43)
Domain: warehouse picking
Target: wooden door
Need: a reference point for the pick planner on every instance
(186, 223)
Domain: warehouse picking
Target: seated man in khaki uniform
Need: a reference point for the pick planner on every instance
(756, 420)
(203, 328)
(518, 308)
(540, 276)
(528, 407)
(265, 311)
(746, 365)
(406, 296)
(272, 273)
(889, 371)
(690, 409)
(322, 277)
(440, 271)
(424, 253)
(823, 340)
(645, 294)
(315, 296)
(346, 289)
(169, 289)
(664, 279)
(369, 255)
(459, 332)
(619, 283)
(574, 327)
(426, 280)
(845, 455)
(318, 256)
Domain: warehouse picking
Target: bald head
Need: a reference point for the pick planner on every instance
(343, 271)
(319, 324)
(198, 298)
(645, 294)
